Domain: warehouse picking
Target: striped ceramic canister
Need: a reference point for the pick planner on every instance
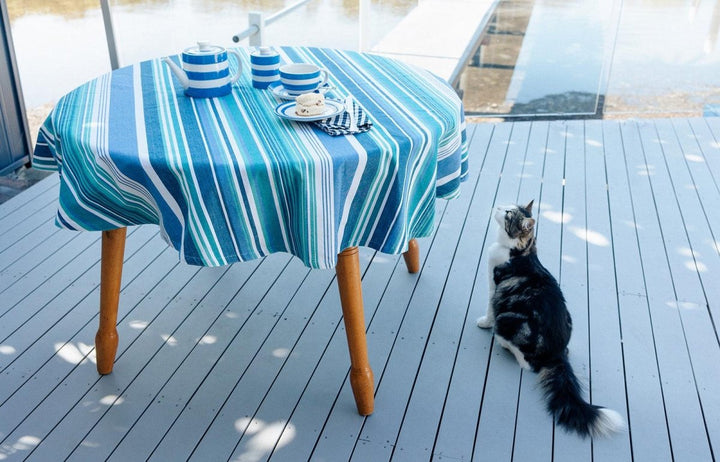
(207, 70)
(264, 65)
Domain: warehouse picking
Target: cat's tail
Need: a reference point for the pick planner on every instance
(565, 403)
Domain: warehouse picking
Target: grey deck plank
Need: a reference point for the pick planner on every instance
(707, 179)
(24, 249)
(46, 261)
(646, 407)
(687, 431)
(44, 188)
(534, 427)
(549, 214)
(712, 156)
(573, 277)
(41, 279)
(250, 362)
(26, 218)
(502, 383)
(36, 242)
(697, 195)
(32, 276)
(607, 367)
(173, 339)
(553, 223)
(694, 273)
(340, 431)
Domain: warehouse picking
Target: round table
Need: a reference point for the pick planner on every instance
(227, 180)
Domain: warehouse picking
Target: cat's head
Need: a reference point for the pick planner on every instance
(517, 226)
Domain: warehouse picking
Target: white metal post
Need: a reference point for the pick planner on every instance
(255, 18)
(109, 34)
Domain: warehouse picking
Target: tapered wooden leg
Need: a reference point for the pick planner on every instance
(412, 256)
(106, 340)
(350, 286)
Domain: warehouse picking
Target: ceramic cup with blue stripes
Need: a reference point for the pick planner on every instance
(205, 70)
(264, 67)
(299, 78)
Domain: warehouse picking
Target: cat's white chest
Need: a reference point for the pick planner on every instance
(498, 255)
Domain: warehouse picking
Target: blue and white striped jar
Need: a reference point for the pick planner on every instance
(207, 70)
(264, 65)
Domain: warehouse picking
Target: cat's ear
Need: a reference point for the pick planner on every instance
(529, 206)
(528, 223)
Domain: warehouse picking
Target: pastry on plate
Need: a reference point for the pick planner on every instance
(309, 104)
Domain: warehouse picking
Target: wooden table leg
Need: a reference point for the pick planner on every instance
(106, 339)
(412, 256)
(350, 287)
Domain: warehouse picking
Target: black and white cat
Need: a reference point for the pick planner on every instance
(528, 313)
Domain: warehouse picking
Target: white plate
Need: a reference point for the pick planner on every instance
(287, 111)
(278, 90)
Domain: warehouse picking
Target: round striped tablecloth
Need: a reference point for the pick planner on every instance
(227, 180)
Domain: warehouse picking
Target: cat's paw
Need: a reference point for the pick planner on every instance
(485, 322)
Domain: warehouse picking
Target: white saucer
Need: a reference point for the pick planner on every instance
(278, 90)
(287, 111)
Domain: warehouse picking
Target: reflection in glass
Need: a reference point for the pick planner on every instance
(559, 59)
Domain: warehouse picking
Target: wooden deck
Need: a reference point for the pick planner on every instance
(249, 362)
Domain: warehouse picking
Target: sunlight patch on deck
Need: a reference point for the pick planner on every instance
(265, 437)
(75, 354)
(590, 236)
(7, 350)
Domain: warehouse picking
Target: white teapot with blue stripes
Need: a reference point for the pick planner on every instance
(205, 70)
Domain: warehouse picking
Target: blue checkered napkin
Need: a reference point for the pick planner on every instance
(340, 124)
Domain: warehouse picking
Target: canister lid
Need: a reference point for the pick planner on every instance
(204, 48)
(264, 51)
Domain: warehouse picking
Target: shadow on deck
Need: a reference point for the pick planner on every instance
(249, 362)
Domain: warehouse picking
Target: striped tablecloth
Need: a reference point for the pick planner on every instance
(227, 180)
